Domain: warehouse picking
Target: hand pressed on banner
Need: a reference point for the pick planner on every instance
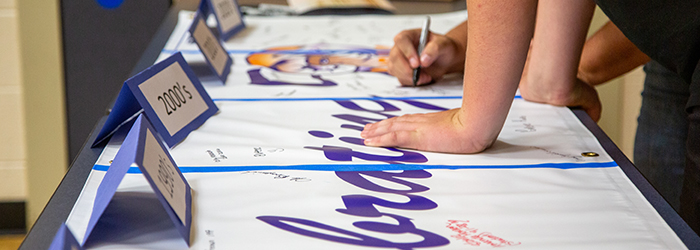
(444, 131)
(557, 90)
(580, 95)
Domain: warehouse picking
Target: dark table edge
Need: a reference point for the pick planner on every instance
(61, 203)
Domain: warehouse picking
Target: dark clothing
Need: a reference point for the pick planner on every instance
(659, 145)
(668, 31)
(690, 196)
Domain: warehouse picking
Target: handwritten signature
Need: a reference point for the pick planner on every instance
(563, 155)
(527, 127)
(279, 176)
(473, 237)
(216, 158)
(258, 151)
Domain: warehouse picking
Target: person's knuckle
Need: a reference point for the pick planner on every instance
(394, 51)
(390, 123)
(406, 117)
(400, 37)
(393, 138)
(390, 65)
(402, 138)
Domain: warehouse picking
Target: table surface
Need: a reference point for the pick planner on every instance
(59, 206)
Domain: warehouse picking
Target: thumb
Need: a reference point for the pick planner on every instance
(430, 54)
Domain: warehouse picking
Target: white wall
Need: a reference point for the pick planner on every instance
(12, 142)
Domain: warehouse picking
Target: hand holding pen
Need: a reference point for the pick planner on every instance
(421, 46)
(441, 55)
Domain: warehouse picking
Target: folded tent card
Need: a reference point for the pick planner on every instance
(228, 16)
(143, 147)
(216, 56)
(163, 103)
(183, 105)
(64, 240)
(169, 94)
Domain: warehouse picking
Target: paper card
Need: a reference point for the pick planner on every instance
(169, 94)
(216, 56)
(142, 146)
(162, 174)
(228, 16)
(125, 109)
(204, 9)
(64, 240)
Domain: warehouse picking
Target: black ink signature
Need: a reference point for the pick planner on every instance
(279, 176)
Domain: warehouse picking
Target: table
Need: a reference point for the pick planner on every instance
(66, 195)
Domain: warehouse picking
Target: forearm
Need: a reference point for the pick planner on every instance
(556, 49)
(608, 54)
(498, 39)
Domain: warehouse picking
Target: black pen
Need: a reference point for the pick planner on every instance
(421, 45)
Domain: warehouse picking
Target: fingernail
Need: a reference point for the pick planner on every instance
(413, 61)
(363, 133)
(368, 142)
(424, 58)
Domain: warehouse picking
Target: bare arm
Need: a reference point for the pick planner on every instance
(498, 37)
(608, 54)
(498, 41)
(555, 52)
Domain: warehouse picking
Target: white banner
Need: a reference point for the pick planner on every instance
(282, 165)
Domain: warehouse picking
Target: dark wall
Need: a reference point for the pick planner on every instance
(101, 46)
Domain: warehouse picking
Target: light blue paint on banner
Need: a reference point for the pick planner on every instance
(372, 167)
(341, 98)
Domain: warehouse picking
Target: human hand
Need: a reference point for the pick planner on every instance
(441, 55)
(444, 131)
(549, 74)
(579, 95)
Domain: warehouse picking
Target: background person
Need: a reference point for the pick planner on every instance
(499, 35)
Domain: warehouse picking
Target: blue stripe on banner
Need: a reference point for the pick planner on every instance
(340, 98)
(373, 167)
(193, 52)
(337, 98)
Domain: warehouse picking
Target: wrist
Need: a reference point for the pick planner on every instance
(548, 88)
(477, 133)
(587, 76)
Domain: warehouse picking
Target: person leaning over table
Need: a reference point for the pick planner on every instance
(499, 34)
(661, 131)
(659, 146)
